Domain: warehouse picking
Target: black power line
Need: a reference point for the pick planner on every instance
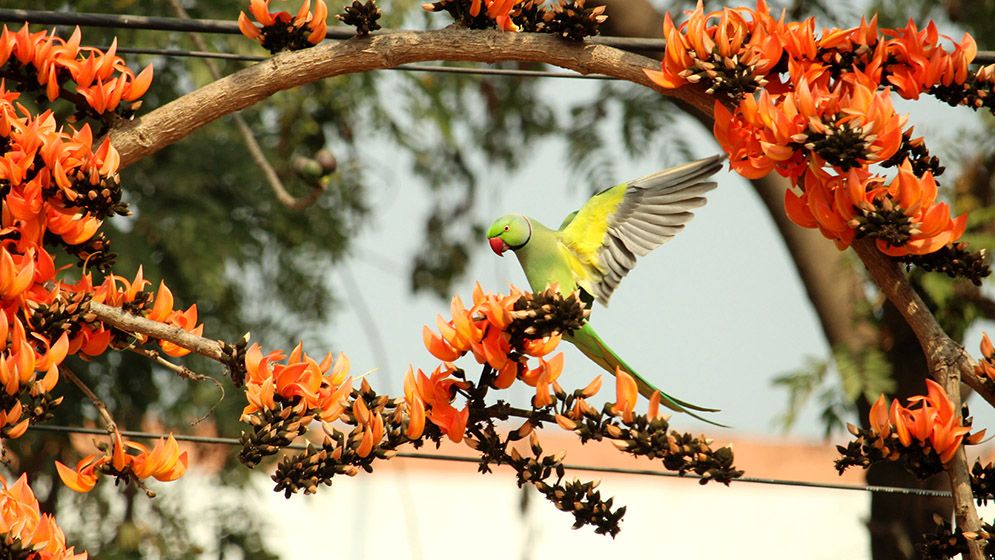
(209, 440)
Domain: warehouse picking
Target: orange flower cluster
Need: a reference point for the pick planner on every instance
(581, 408)
(28, 376)
(27, 532)
(49, 169)
(58, 183)
(840, 205)
(118, 291)
(854, 125)
(917, 62)
(164, 462)
(933, 424)
(481, 330)
(828, 120)
(281, 30)
(312, 388)
(102, 79)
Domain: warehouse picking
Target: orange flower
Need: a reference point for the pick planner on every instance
(930, 420)
(481, 329)
(293, 30)
(416, 418)
(592, 388)
(164, 462)
(986, 366)
(450, 421)
(720, 54)
(653, 410)
(84, 477)
(626, 394)
(878, 419)
(321, 388)
(839, 205)
(545, 377)
(21, 521)
(918, 62)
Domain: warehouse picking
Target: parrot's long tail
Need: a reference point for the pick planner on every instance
(588, 341)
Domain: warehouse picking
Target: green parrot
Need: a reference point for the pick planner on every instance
(596, 246)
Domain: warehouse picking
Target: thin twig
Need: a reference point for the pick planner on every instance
(284, 196)
(185, 373)
(105, 413)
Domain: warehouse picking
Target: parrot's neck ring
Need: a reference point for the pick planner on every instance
(523, 243)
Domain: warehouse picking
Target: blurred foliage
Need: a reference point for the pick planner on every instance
(862, 376)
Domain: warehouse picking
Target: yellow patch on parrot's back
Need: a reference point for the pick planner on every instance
(586, 232)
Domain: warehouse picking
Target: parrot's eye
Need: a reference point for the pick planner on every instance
(506, 228)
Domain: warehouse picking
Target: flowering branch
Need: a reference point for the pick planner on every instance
(949, 364)
(816, 108)
(504, 333)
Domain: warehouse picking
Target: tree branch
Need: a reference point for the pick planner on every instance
(942, 352)
(120, 319)
(177, 119)
(948, 363)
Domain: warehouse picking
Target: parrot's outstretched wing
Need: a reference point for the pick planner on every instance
(629, 220)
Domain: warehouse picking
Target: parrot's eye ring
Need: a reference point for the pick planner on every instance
(506, 228)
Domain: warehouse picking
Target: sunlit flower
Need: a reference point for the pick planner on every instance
(283, 30)
(917, 61)
(164, 462)
(22, 522)
(986, 365)
(320, 387)
(732, 55)
(626, 394)
(930, 420)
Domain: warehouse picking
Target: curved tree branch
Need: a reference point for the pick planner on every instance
(175, 120)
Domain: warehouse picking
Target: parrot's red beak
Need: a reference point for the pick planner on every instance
(498, 246)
